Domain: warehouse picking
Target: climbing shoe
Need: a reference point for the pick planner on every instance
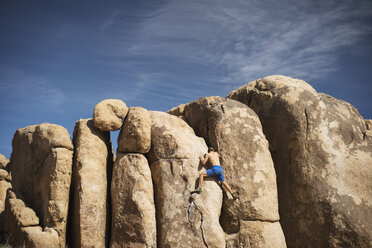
(198, 191)
(234, 197)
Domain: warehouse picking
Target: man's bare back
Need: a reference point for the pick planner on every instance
(213, 158)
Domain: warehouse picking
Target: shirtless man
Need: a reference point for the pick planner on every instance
(215, 171)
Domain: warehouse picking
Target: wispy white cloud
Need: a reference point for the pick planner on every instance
(250, 39)
(19, 90)
(107, 23)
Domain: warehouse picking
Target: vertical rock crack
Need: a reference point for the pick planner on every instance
(201, 220)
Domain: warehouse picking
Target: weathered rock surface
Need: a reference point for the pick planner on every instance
(21, 226)
(322, 150)
(91, 177)
(4, 175)
(133, 209)
(17, 215)
(108, 114)
(41, 173)
(35, 237)
(3, 162)
(4, 186)
(183, 220)
(135, 134)
(235, 131)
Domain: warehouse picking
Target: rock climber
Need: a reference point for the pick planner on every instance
(215, 171)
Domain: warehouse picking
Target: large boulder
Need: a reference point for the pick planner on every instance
(322, 151)
(41, 165)
(234, 130)
(108, 114)
(133, 209)
(182, 220)
(135, 134)
(90, 183)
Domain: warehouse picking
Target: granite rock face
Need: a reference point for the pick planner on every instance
(133, 209)
(322, 151)
(235, 132)
(108, 114)
(135, 134)
(90, 183)
(183, 220)
(41, 164)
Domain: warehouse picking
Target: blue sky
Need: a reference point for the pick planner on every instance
(58, 59)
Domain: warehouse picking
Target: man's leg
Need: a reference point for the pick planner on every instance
(200, 184)
(226, 186)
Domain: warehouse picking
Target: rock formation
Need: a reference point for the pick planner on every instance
(133, 209)
(183, 220)
(41, 164)
(91, 179)
(235, 131)
(135, 134)
(108, 114)
(322, 151)
(277, 137)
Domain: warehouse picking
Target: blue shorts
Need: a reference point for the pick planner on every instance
(216, 171)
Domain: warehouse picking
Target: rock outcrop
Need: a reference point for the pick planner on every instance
(322, 151)
(91, 179)
(4, 186)
(22, 226)
(3, 162)
(135, 134)
(286, 151)
(133, 209)
(108, 114)
(235, 132)
(183, 220)
(41, 164)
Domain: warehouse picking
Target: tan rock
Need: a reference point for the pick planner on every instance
(322, 150)
(17, 215)
(4, 186)
(260, 234)
(177, 111)
(183, 220)
(3, 162)
(234, 130)
(4, 175)
(135, 134)
(41, 173)
(35, 237)
(92, 161)
(133, 209)
(108, 114)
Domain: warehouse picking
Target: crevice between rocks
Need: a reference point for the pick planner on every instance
(307, 124)
(157, 218)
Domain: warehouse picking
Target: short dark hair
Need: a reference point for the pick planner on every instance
(210, 149)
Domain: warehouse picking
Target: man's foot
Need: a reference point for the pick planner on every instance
(198, 191)
(233, 196)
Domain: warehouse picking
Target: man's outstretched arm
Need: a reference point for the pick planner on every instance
(204, 159)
